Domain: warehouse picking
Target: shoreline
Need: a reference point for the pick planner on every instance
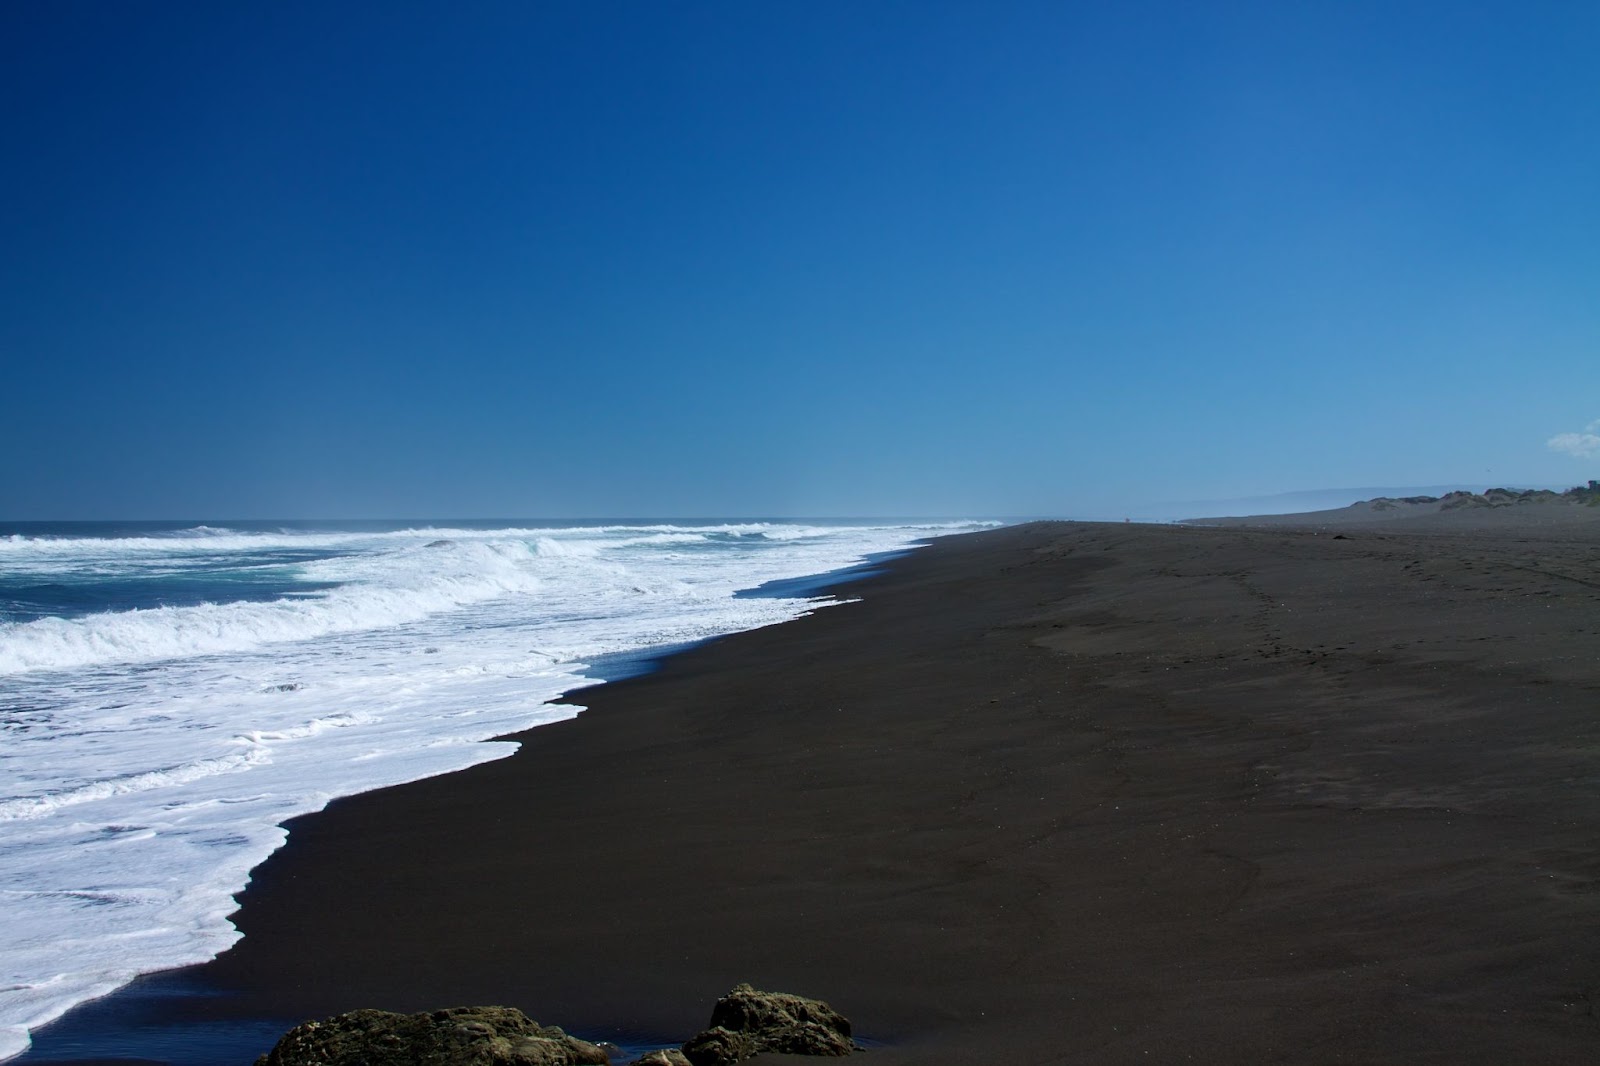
(1081, 791)
(163, 1003)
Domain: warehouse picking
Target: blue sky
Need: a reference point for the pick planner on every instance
(855, 258)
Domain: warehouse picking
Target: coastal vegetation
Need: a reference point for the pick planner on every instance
(1587, 495)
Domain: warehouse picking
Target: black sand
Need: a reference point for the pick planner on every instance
(1052, 793)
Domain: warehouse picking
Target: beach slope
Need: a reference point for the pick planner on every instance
(1059, 792)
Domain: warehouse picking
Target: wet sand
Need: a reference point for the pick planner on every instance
(1061, 792)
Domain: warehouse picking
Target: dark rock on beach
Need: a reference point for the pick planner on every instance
(747, 1022)
(744, 1023)
(665, 1057)
(460, 1036)
(718, 1046)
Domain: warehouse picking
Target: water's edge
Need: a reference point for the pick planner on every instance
(159, 1019)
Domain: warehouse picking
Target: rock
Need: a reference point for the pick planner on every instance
(747, 1010)
(665, 1057)
(748, 1022)
(460, 1036)
(718, 1047)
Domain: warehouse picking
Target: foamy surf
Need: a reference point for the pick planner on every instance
(170, 697)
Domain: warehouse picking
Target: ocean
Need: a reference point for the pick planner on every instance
(171, 693)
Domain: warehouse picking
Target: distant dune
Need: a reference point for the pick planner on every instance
(1493, 508)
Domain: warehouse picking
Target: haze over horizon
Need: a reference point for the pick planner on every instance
(599, 259)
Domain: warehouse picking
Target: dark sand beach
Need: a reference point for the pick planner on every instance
(1059, 792)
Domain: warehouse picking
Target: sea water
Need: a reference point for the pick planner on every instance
(170, 694)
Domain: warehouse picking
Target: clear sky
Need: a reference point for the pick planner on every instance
(789, 258)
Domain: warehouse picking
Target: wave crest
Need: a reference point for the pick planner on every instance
(373, 592)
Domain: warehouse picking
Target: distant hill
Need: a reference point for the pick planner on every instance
(1297, 502)
(1457, 509)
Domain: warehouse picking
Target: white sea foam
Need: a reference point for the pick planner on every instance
(151, 755)
(395, 584)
